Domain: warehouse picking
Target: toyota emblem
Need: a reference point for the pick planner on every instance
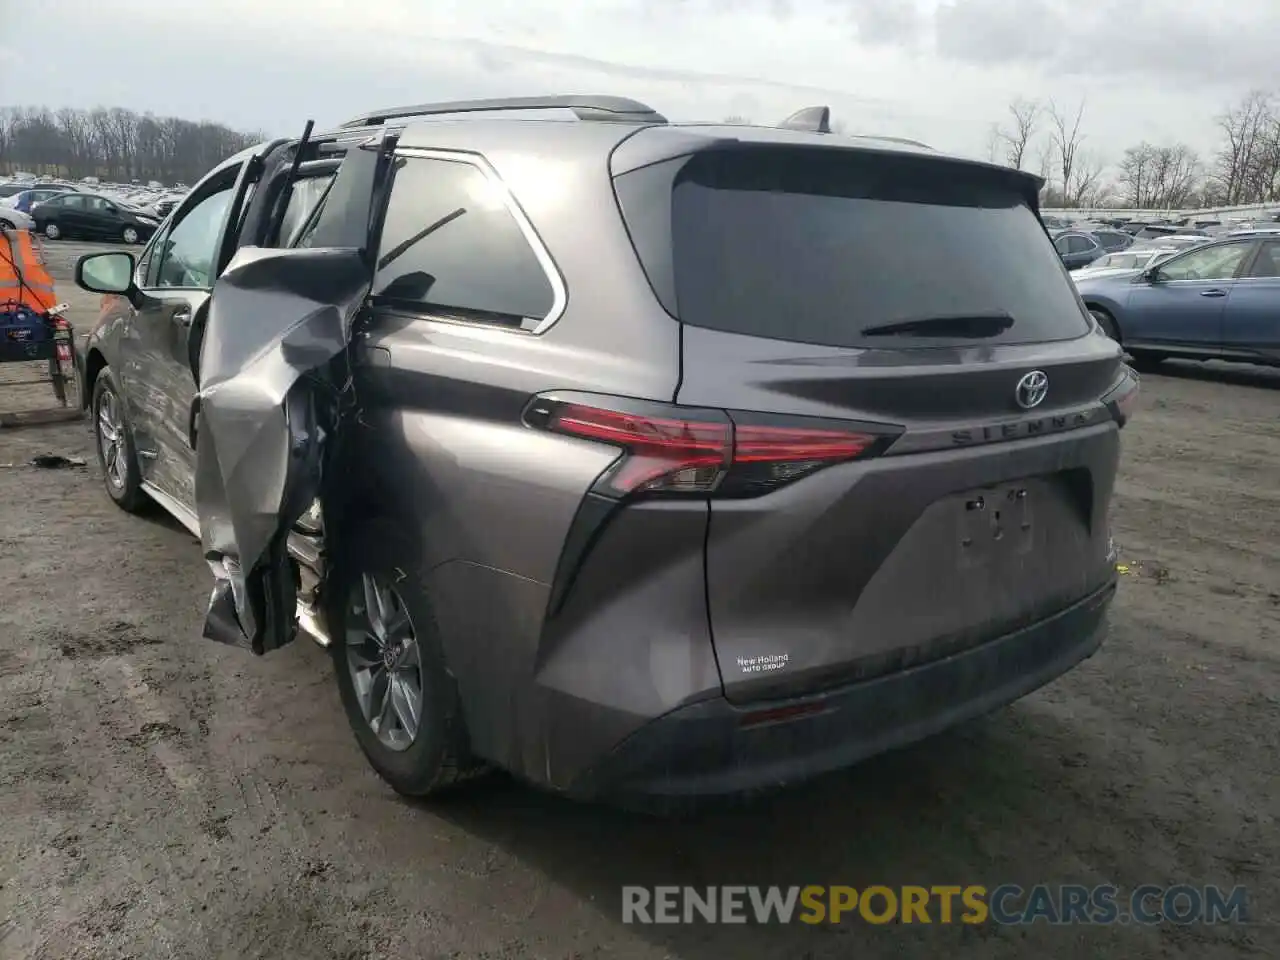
(1031, 389)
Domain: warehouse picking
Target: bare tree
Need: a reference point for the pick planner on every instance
(994, 147)
(1044, 167)
(1085, 187)
(1245, 162)
(1135, 175)
(1066, 139)
(1176, 175)
(114, 143)
(1017, 138)
(1160, 177)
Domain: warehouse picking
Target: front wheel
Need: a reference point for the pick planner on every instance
(129, 235)
(114, 442)
(52, 231)
(6, 224)
(396, 689)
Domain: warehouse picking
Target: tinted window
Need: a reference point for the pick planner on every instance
(1079, 244)
(72, 201)
(184, 257)
(451, 246)
(1063, 244)
(818, 246)
(97, 204)
(1214, 263)
(1268, 262)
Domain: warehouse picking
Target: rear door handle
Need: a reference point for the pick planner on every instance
(182, 316)
(1213, 293)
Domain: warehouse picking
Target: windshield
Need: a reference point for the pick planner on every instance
(809, 245)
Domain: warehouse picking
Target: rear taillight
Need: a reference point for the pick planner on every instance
(671, 453)
(1122, 400)
(675, 450)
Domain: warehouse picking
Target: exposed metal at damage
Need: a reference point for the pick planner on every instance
(269, 391)
(277, 318)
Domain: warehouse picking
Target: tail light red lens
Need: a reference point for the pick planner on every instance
(668, 449)
(662, 453)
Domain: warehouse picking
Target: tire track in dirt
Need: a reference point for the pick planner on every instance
(37, 783)
(187, 821)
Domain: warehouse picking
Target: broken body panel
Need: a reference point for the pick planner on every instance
(276, 329)
(277, 319)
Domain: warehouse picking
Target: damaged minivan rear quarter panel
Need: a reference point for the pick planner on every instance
(490, 502)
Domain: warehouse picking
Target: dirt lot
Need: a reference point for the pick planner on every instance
(161, 796)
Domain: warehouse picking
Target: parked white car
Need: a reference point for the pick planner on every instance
(11, 219)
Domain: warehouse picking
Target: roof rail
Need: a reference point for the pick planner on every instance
(812, 119)
(614, 109)
(909, 142)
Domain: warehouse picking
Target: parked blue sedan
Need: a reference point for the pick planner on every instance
(1218, 300)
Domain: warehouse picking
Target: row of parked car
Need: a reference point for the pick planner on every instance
(1189, 296)
(1089, 245)
(58, 209)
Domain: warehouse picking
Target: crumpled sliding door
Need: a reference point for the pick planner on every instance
(277, 318)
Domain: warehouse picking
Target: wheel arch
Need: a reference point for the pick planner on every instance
(1106, 308)
(94, 363)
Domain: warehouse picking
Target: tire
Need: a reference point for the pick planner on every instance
(52, 231)
(6, 224)
(129, 235)
(437, 757)
(1106, 322)
(122, 478)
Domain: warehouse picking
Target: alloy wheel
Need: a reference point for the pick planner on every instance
(111, 440)
(385, 661)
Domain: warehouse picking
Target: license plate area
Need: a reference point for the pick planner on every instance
(995, 521)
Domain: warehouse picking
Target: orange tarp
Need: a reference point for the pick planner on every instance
(23, 275)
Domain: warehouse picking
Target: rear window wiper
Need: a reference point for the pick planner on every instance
(958, 325)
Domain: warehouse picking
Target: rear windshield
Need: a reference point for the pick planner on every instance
(819, 246)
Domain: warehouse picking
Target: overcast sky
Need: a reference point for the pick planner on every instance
(937, 70)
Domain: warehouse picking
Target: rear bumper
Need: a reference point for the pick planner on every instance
(704, 749)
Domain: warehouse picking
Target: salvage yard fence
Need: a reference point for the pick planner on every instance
(1148, 214)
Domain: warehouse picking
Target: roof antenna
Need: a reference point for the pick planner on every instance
(812, 119)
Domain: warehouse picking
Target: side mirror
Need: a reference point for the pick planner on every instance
(105, 272)
(1150, 275)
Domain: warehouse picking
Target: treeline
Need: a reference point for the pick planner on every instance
(114, 144)
(1243, 169)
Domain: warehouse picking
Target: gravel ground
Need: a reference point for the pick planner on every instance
(162, 796)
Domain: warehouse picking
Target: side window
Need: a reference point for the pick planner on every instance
(1080, 244)
(451, 246)
(184, 256)
(1215, 263)
(305, 196)
(96, 204)
(1063, 244)
(1267, 266)
(73, 202)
